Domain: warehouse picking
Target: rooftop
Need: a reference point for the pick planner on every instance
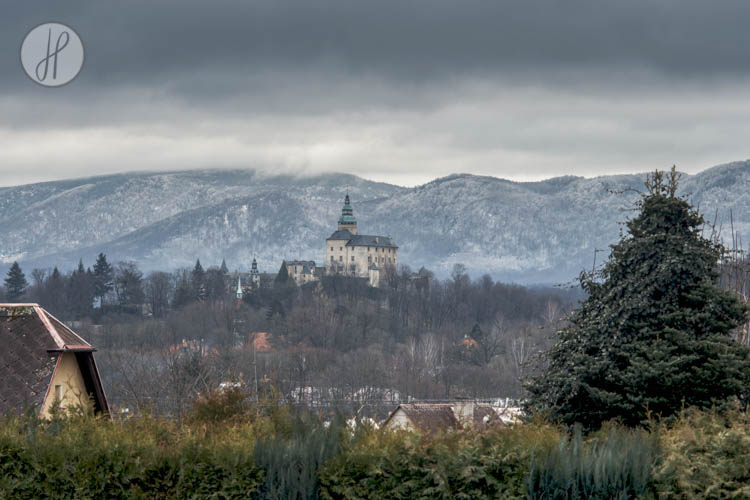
(30, 340)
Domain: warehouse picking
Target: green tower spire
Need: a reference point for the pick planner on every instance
(347, 220)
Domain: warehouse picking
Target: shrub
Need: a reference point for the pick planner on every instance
(383, 464)
(616, 463)
(706, 455)
(78, 456)
(291, 462)
(231, 405)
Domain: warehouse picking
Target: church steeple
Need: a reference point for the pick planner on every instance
(347, 220)
(239, 288)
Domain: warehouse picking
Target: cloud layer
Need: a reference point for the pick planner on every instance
(399, 91)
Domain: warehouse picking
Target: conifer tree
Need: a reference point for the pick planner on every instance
(653, 334)
(129, 285)
(215, 284)
(15, 283)
(283, 278)
(54, 297)
(198, 281)
(80, 292)
(103, 277)
(183, 293)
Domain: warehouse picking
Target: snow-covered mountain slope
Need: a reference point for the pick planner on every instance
(528, 232)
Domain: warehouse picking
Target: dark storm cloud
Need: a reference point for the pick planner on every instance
(145, 41)
(395, 90)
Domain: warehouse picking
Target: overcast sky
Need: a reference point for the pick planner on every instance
(393, 90)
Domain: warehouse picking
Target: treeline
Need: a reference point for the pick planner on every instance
(338, 342)
(114, 288)
(165, 337)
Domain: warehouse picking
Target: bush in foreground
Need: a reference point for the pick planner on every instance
(279, 455)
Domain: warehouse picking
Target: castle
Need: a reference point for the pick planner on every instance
(349, 253)
(360, 255)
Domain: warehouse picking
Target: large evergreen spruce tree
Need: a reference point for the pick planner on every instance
(653, 335)
(15, 283)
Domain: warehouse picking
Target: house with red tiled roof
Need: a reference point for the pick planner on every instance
(44, 363)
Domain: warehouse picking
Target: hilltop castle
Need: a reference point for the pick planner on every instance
(350, 254)
(360, 255)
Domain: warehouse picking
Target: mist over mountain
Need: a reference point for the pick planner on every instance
(528, 232)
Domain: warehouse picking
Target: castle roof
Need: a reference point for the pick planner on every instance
(362, 240)
(341, 234)
(367, 240)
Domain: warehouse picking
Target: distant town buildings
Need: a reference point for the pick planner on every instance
(248, 282)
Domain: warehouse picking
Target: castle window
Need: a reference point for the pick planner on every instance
(341, 258)
(341, 249)
(331, 258)
(331, 249)
(352, 258)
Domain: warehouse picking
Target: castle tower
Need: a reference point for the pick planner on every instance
(254, 274)
(347, 220)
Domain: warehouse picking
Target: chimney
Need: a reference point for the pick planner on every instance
(464, 410)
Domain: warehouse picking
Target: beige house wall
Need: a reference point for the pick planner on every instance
(399, 420)
(66, 384)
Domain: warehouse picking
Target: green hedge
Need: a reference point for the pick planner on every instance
(462, 465)
(278, 455)
(93, 458)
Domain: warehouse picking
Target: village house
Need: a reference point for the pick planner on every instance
(43, 364)
(436, 417)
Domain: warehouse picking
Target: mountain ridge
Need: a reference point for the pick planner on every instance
(543, 231)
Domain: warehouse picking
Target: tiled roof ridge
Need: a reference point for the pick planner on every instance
(81, 344)
(39, 310)
(44, 316)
